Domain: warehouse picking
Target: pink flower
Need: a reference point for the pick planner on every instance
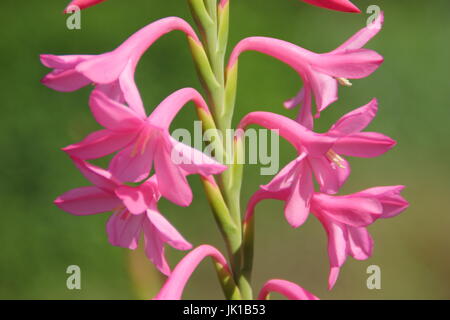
(146, 141)
(320, 73)
(135, 212)
(319, 154)
(338, 5)
(82, 4)
(174, 286)
(290, 290)
(112, 72)
(345, 219)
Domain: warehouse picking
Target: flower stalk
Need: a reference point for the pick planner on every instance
(212, 20)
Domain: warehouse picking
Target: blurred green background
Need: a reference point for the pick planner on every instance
(38, 241)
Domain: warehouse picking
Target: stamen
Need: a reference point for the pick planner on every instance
(344, 82)
(336, 159)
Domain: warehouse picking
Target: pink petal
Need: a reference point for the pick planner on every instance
(360, 243)
(355, 64)
(124, 229)
(171, 180)
(174, 286)
(298, 204)
(391, 200)
(364, 145)
(167, 232)
(133, 164)
(337, 247)
(63, 62)
(154, 247)
(290, 290)
(135, 198)
(194, 161)
(339, 5)
(65, 80)
(325, 88)
(166, 111)
(113, 115)
(260, 195)
(99, 144)
(356, 120)
(349, 210)
(285, 178)
(330, 176)
(300, 137)
(97, 176)
(130, 90)
(86, 201)
(359, 39)
(82, 4)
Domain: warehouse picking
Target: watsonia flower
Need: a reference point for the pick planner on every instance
(135, 212)
(145, 142)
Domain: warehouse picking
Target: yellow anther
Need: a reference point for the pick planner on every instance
(344, 82)
(336, 159)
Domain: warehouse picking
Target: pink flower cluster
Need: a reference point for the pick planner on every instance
(142, 170)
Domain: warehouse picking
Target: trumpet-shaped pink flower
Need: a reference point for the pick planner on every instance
(135, 212)
(290, 290)
(146, 141)
(320, 73)
(82, 4)
(320, 154)
(338, 5)
(111, 72)
(345, 219)
(174, 286)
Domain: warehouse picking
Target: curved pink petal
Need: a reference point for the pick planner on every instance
(65, 80)
(64, 61)
(337, 247)
(290, 290)
(174, 286)
(172, 181)
(300, 137)
(354, 64)
(260, 195)
(112, 114)
(390, 198)
(360, 243)
(194, 161)
(299, 201)
(82, 4)
(99, 144)
(124, 229)
(284, 179)
(166, 111)
(325, 89)
(360, 39)
(154, 247)
(338, 5)
(330, 176)
(364, 145)
(356, 120)
(133, 164)
(97, 176)
(107, 67)
(134, 198)
(349, 210)
(86, 201)
(130, 91)
(167, 232)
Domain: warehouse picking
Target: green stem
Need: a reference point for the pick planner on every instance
(212, 21)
